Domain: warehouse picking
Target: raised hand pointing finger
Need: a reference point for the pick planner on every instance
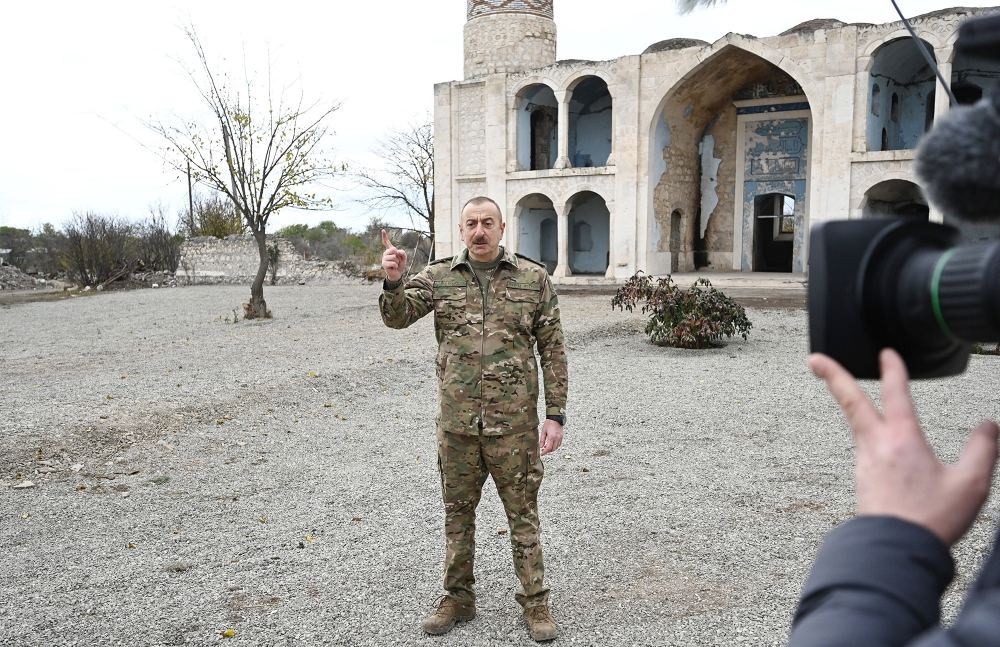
(393, 259)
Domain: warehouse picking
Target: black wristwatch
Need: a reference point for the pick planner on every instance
(560, 419)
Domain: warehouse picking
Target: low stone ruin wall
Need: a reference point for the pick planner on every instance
(235, 259)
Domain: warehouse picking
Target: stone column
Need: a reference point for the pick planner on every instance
(610, 272)
(563, 160)
(562, 262)
(614, 138)
(941, 93)
(941, 107)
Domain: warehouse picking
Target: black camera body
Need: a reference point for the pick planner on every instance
(910, 284)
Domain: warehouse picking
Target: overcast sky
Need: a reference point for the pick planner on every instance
(80, 78)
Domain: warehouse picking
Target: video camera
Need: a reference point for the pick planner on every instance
(911, 285)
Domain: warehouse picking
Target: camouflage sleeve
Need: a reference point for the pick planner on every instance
(407, 302)
(552, 351)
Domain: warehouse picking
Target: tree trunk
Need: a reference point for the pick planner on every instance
(257, 308)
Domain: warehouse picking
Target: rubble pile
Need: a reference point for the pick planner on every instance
(12, 278)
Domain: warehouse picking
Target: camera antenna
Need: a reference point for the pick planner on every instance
(927, 55)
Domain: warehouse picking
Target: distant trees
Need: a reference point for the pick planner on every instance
(359, 250)
(93, 247)
(47, 249)
(97, 247)
(325, 241)
(18, 241)
(212, 215)
(261, 151)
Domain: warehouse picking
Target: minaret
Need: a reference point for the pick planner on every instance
(508, 36)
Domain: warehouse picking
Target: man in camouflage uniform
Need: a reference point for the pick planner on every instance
(490, 308)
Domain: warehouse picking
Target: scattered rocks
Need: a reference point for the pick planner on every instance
(11, 278)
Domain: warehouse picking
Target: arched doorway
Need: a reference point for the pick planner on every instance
(590, 122)
(895, 199)
(537, 128)
(737, 127)
(902, 94)
(590, 234)
(676, 218)
(537, 230)
(774, 231)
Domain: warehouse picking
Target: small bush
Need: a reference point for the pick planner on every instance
(697, 317)
(97, 247)
(157, 247)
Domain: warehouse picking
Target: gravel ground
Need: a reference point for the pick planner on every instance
(278, 478)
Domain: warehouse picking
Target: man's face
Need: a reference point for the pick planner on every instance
(482, 230)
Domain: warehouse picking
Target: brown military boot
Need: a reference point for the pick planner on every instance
(449, 612)
(541, 626)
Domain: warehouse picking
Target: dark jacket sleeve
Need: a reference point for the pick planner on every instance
(876, 581)
(979, 621)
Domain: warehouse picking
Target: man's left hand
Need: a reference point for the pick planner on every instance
(551, 437)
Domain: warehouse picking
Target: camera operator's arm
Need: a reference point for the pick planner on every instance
(878, 578)
(979, 621)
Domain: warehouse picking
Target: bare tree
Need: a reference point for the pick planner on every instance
(407, 181)
(687, 6)
(262, 153)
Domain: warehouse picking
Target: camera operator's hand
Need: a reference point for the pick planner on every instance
(897, 473)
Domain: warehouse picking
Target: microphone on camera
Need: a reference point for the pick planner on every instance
(958, 161)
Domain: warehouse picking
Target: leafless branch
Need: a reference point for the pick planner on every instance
(406, 180)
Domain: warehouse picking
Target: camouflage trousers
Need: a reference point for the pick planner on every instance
(516, 467)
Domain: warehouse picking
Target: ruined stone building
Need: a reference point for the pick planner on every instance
(717, 156)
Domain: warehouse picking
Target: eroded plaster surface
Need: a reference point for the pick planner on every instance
(709, 181)
(676, 184)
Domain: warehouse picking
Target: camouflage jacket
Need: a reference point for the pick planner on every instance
(486, 369)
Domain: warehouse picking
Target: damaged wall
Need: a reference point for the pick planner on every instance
(719, 225)
(667, 100)
(901, 91)
(703, 134)
(235, 259)
(678, 188)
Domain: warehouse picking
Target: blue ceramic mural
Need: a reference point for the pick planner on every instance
(776, 161)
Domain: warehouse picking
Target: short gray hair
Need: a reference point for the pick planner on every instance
(482, 199)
